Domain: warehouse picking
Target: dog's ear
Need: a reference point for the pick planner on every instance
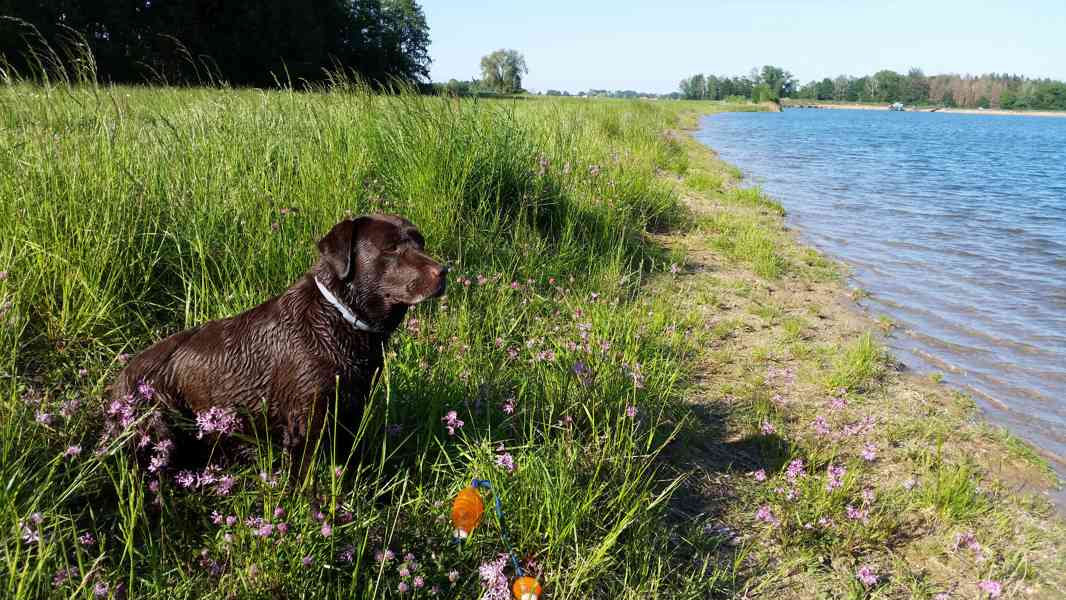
(336, 247)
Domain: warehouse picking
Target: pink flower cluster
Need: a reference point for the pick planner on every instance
(867, 575)
(217, 419)
(493, 579)
(766, 515)
(836, 477)
(452, 422)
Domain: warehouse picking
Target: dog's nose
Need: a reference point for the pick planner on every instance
(444, 270)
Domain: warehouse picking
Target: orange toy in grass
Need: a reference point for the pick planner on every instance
(466, 512)
(526, 588)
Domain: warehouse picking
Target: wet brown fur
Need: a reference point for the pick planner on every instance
(282, 360)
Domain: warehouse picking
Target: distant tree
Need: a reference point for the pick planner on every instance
(840, 87)
(807, 91)
(780, 82)
(857, 89)
(948, 99)
(984, 102)
(888, 86)
(713, 91)
(1008, 99)
(693, 88)
(502, 71)
(553, 93)
(824, 89)
(762, 93)
(460, 88)
(917, 87)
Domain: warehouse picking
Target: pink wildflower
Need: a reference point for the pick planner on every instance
(856, 514)
(867, 575)
(72, 451)
(222, 421)
(327, 530)
(869, 453)
(991, 587)
(403, 588)
(508, 406)
(506, 461)
(795, 470)
(225, 484)
(821, 426)
(766, 515)
(836, 477)
(418, 582)
(760, 475)
(452, 422)
(494, 580)
(631, 411)
(306, 561)
(186, 479)
(768, 428)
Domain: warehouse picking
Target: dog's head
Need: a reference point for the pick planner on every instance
(380, 266)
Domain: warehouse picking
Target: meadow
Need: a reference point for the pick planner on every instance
(632, 349)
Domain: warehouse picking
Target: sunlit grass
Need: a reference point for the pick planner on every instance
(142, 211)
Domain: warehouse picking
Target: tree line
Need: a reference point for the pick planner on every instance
(240, 42)
(885, 86)
(768, 83)
(967, 91)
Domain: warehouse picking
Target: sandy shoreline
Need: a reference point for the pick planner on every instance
(957, 111)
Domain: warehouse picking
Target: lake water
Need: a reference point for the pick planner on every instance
(957, 226)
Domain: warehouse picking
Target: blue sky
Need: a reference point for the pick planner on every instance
(649, 46)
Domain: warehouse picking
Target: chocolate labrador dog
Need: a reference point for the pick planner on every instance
(285, 362)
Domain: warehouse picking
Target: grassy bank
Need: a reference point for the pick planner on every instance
(838, 473)
(629, 340)
(137, 212)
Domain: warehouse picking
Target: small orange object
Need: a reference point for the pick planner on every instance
(526, 588)
(466, 512)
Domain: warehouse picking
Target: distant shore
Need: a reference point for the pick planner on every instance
(958, 111)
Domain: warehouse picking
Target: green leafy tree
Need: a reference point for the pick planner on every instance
(242, 42)
(713, 88)
(824, 89)
(693, 88)
(917, 87)
(762, 93)
(502, 71)
(780, 82)
(888, 86)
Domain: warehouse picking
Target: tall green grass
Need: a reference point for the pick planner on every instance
(131, 213)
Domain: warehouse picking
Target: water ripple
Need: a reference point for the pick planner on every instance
(955, 223)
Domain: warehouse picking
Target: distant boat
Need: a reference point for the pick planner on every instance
(896, 106)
